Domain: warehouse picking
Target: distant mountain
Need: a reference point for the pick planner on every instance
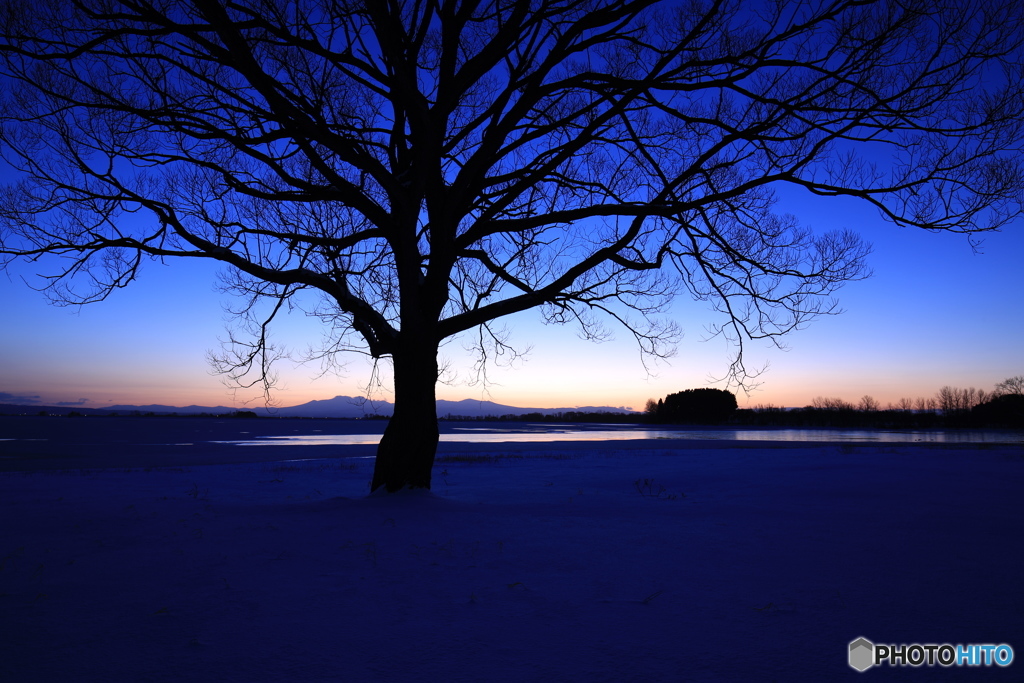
(474, 408)
(338, 407)
(348, 406)
(18, 409)
(154, 408)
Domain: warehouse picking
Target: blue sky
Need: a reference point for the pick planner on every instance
(934, 313)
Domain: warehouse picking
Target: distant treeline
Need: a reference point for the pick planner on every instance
(951, 407)
(78, 411)
(11, 410)
(566, 416)
(1003, 413)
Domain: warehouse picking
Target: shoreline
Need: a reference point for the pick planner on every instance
(29, 444)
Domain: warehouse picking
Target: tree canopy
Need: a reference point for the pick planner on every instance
(706, 405)
(432, 166)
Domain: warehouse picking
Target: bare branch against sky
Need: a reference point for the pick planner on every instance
(432, 167)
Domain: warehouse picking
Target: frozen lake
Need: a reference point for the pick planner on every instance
(549, 433)
(33, 443)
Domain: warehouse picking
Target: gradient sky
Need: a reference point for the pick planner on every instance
(934, 313)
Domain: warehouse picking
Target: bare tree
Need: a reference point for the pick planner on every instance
(954, 400)
(1010, 385)
(431, 166)
(905, 404)
(823, 403)
(869, 404)
(948, 399)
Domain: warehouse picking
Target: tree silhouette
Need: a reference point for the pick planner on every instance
(1003, 410)
(954, 401)
(431, 166)
(868, 404)
(697, 406)
(1010, 385)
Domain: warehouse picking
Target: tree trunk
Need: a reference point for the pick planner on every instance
(405, 456)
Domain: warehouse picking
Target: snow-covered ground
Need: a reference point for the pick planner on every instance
(706, 562)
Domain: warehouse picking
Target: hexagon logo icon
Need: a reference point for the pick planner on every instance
(862, 654)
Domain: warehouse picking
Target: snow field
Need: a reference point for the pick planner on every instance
(560, 565)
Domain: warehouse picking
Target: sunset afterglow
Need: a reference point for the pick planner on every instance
(934, 313)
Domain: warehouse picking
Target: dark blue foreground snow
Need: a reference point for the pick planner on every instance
(528, 562)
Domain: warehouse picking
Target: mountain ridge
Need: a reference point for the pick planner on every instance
(337, 407)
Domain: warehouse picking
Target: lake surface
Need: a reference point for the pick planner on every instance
(54, 443)
(559, 433)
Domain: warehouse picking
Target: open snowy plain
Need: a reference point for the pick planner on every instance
(600, 561)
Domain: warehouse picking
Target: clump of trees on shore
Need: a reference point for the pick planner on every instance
(949, 407)
(693, 406)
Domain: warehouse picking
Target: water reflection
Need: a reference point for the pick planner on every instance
(485, 435)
